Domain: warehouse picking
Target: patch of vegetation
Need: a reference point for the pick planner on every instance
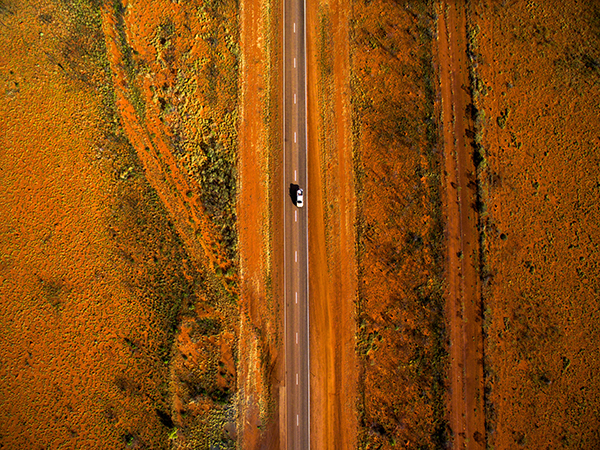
(503, 117)
(200, 108)
(157, 265)
(477, 88)
(143, 236)
(207, 326)
(396, 137)
(131, 64)
(83, 47)
(145, 232)
(53, 292)
(84, 57)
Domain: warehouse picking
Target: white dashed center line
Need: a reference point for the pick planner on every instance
(296, 379)
(295, 216)
(294, 63)
(296, 297)
(294, 27)
(296, 338)
(294, 137)
(295, 177)
(297, 420)
(294, 99)
(296, 256)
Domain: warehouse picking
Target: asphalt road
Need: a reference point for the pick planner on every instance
(297, 390)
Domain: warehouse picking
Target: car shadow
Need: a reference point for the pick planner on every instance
(293, 192)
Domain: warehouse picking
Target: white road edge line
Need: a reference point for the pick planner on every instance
(306, 184)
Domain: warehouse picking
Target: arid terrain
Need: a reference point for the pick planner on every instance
(475, 155)
(119, 265)
(453, 186)
(400, 243)
(537, 81)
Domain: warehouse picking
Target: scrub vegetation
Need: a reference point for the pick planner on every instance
(119, 263)
(401, 324)
(539, 156)
(126, 321)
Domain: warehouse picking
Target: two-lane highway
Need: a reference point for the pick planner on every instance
(295, 229)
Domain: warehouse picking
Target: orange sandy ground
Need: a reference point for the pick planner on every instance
(106, 245)
(331, 219)
(78, 330)
(463, 287)
(539, 69)
(260, 363)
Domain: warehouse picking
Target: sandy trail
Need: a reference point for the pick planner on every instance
(259, 327)
(464, 291)
(331, 252)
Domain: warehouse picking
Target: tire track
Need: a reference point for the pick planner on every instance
(466, 407)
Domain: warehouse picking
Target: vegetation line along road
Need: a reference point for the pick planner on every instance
(401, 333)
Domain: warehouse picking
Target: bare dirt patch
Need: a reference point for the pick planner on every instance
(331, 229)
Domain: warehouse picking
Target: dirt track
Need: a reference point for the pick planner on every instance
(464, 293)
(254, 261)
(260, 364)
(331, 230)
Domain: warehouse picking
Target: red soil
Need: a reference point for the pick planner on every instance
(260, 331)
(331, 247)
(463, 295)
(538, 66)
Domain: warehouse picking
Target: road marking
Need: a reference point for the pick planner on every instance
(296, 297)
(295, 178)
(296, 337)
(296, 255)
(296, 379)
(294, 137)
(294, 99)
(294, 27)
(295, 216)
(297, 420)
(294, 63)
